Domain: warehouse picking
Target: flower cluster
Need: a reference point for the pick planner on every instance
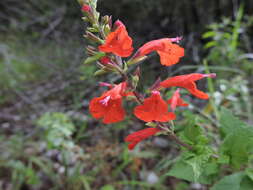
(114, 43)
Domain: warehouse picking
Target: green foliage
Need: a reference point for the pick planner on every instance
(238, 141)
(195, 165)
(58, 129)
(236, 181)
(226, 42)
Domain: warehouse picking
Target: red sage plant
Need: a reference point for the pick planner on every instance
(112, 50)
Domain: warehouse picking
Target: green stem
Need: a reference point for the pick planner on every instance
(211, 91)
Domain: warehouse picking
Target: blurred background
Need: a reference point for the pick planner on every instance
(48, 139)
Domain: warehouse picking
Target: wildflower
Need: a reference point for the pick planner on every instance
(109, 105)
(154, 108)
(188, 82)
(175, 100)
(138, 136)
(118, 42)
(86, 8)
(169, 53)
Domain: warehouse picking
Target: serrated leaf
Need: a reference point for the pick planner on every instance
(238, 141)
(238, 146)
(231, 182)
(58, 128)
(229, 123)
(184, 171)
(197, 163)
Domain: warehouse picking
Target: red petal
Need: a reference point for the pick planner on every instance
(114, 113)
(169, 53)
(187, 82)
(97, 109)
(118, 42)
(138, 136)
(153, 108)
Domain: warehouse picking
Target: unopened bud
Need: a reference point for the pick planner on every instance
(86, 19)
(91, 50)
(105, 60)
(110, 22)
(107, 29)
(86, 8)
(105, 19)
(93, 37)
(136, 59)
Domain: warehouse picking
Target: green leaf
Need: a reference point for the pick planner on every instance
(238, 141)
(58, 129)
(229, 123)
(238, 146)
(94, 58)
(197, 163)
(101, 71)
(208, 34)
(210, 44)
(183, 170)
(107, 187)
(249, 172)
(246, 184)
(231, 182)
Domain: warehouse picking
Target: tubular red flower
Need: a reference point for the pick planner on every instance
(138, 136)
(175, 100)
(109, 105)
(118, 42)
(188, 82)
(154, 108)
(169, 53)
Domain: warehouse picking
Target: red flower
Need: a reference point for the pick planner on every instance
(188, 82)
(86, 8)
(175, 101)
(169, 52)
(154, 108)
(109, 105)
(118, 42)
(138, 136)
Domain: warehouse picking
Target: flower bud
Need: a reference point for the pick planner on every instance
(105, 19)
(91, 50)
(136, 59)
(93, 37)
(86, 8)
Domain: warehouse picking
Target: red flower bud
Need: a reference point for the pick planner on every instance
(86, 8)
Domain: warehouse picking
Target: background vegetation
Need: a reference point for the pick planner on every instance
(48, 139)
